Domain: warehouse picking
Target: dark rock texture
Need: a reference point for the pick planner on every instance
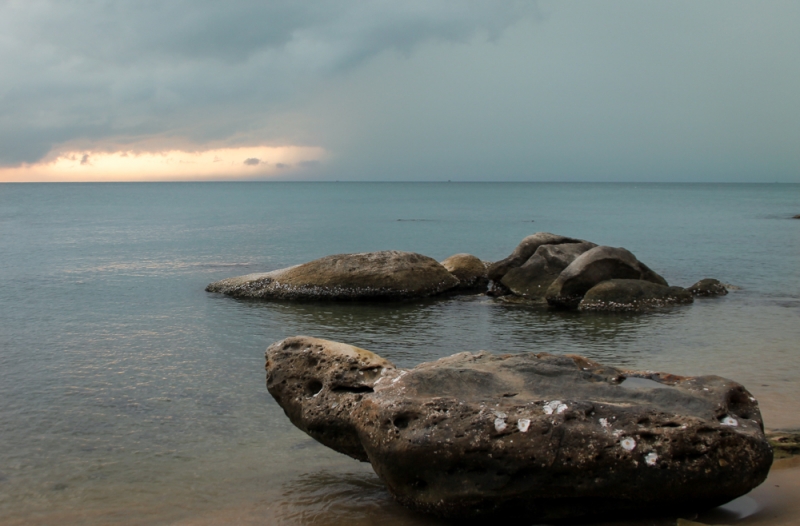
(708, 287)
(525, 250)
(532, 279)
(632, 295)
(386, 275)
(532, 436)
(470, 271)
(595, 266)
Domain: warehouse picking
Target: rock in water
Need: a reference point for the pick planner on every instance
(524, 251)
(532, 279)
(470, 271)
(708, 287)
(632, 295)
(386, 275)
(531, 436)
(595, 266)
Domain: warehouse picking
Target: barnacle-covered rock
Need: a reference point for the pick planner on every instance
(531, 436)
(617, 295)
(385, 275)
(708, 287)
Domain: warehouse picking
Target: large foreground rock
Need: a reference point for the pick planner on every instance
(534, 436)
(617, 295)
(593, 267)
(386, 275)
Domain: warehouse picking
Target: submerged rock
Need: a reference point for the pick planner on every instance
(708, 287)
(386, 275)
(532, 278)
(593, 267)
(632, 295)
(532, 436)
(470, 271)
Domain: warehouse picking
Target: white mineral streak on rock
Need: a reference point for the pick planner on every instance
(561, 408)
(523, 424)
(500, 414)
(729, 421)
(604, 422)
(628, 444)
(499, 424)
(402, 374)
(651, 458)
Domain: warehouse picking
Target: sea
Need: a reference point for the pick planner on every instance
(129, 395)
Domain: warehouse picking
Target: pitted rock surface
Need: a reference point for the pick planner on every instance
(708, 287)
(470, 271)
(386, 275)
(532, 279)
(526, 248)
(533, 436)
(617, 295)
(593, 267)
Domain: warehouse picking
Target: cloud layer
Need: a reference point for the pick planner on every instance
(195, 70)
(414, 90)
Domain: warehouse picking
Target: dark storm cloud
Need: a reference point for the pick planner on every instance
(202, 70)
(418, 89)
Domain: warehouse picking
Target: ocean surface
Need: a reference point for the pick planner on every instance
(129, 395)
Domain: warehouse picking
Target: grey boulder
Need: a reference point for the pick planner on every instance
(595, 266)
(536, 437)
(470, 271)
(532, 278)
(632, 295)
(524, 251)
(386, 275)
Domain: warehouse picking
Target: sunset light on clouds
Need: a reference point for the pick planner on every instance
(171, 165)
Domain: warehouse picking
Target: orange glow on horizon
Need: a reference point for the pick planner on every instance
(173, 165)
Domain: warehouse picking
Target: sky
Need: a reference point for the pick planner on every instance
(418, 90)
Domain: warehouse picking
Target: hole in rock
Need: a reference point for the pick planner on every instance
(402, 421)
(353, 389)
(419, 484)
(313, 387)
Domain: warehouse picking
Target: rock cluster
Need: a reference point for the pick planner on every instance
(562, 272)
(531, 436)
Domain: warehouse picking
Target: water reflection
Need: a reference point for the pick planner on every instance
(413, 332)
(343, 499)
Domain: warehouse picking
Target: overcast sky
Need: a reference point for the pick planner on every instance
(400, 90)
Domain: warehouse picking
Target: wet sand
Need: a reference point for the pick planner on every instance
(358, 499)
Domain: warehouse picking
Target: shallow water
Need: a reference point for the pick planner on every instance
(129, 395)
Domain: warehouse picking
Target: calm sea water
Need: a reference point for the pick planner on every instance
(128, 395)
